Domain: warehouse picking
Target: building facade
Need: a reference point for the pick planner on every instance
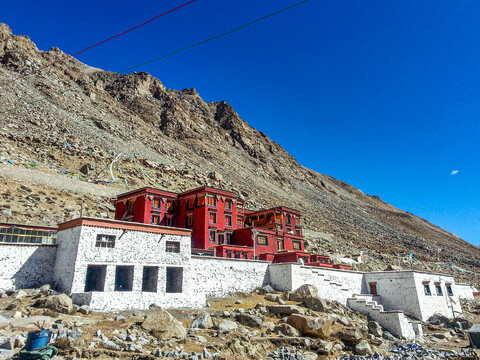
(220, 224)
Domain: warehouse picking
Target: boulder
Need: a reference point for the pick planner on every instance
(19, 294)
(354, 335)
(84, 309)
(363, 348)
(287, 330)
(249, 320)
(304, 291)
(285, 310)
(312, 326)
(60, 303)
(375, 329)
(226, 326)
(3, 322)
(273, 297)
(32, 323)
(315, 303)
(203, 321)
(163, 325)
(44, 289)
(267, 289)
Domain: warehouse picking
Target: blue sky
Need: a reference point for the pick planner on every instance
(382, 95)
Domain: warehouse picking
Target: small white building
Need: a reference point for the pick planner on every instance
(114, 265)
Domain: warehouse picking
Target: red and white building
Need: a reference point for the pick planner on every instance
(220, 224)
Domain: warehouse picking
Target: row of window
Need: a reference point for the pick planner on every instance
(124, 275)
(236, 254)
(221, 238)
(108, 241)
(17, 235)
(209, 200)
(438, 289)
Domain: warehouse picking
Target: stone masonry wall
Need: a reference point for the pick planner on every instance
(221, 276)
(24, 266)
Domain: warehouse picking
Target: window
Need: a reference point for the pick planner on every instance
(229, 254)
(426, 288)
(123, 278)
(212, 236)
(237, 254)
(245, 255)
(95, 278)
(189, 220)
(174, 279)
(156, 203)
(129, 205)
(298, 231)
(297, 245)
(190, 203)
(211, 200)
(169, 220)
(239, 223)
(172, 246)
(150, 278)
(228, 220)
(169, 205)
(228, 237)
(228, 204)
(449, 289)
(155, 219)
(221, 239)
(212, 216)
(106, 241)
(289, 219)
(13, 234)
(438, 288)
(280, 244)
(262, 240)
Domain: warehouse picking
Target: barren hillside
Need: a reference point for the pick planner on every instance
(131, 131)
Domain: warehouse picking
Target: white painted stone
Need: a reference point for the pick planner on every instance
(26, 266)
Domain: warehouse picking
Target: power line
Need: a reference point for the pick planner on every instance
(156, 59)
(97, 44)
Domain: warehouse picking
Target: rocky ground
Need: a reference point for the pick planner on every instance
(262, 325)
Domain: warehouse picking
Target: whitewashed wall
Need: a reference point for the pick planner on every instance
(448, 306)
(332, 284)
(24, 266)
(64, 271)
(396, 291)
(220, 276)
(464, 291)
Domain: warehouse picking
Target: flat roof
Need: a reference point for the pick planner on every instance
(149, 190)
(210, 189)
(124, 225)
(281, 208)
(24, 226)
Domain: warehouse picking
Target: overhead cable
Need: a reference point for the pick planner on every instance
(156, 59)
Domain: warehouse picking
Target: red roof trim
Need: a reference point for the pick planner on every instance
(124, 225)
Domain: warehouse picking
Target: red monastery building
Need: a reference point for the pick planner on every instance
(220, 224)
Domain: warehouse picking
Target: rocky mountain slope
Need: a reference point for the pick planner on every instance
(129, 131)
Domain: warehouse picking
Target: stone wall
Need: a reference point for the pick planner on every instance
(332, 284)
(464, 291)
(26, 265)
(221, 276)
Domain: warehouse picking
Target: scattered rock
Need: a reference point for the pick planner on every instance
(163, 325)
(363, 348)
(203, 321)
(312, 326)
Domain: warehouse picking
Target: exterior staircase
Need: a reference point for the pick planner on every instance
(394, 321)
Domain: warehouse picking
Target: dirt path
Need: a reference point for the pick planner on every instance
(55, 181)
